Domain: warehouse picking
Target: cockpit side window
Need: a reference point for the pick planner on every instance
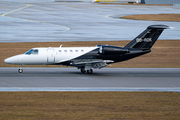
(29, 52)
(32, 51)
(35, 51)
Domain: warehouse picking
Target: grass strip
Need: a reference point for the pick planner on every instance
(90, 105)
(154, 17)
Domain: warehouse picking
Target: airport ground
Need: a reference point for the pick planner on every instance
(49, 21)
(86, 105)
(90, 105)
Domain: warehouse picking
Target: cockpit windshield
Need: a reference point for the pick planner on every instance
(32, 51)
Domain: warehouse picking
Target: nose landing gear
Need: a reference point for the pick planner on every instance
(20, 70)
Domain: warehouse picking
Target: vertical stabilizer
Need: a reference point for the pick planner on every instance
(147, 38)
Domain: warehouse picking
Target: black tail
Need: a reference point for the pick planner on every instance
(147, 38)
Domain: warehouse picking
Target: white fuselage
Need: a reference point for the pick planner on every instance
(49, 55)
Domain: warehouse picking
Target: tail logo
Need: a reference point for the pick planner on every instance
(143, 40)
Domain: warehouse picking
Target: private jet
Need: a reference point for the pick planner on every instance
(88, 58)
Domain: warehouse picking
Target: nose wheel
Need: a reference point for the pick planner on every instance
(20, 70)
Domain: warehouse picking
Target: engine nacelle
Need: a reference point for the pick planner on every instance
(111, 50)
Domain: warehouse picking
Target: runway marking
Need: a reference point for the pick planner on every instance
(28, 5)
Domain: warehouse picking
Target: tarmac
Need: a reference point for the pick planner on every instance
(106, 79)
(47, 21)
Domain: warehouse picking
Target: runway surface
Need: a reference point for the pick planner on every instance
(47, 20)
(107, 79)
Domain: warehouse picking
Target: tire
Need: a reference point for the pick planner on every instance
(20, 70)
(83, 70)
(90, 71)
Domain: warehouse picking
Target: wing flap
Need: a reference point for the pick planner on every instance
(92, 63)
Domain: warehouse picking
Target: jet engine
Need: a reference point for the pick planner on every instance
(111, 50)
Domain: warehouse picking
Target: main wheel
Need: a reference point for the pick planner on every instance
(20, 70)
(90, 71)
(83, 70)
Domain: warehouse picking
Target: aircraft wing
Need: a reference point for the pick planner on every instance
(88, 64)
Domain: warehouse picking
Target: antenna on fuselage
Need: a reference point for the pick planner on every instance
(60, 45)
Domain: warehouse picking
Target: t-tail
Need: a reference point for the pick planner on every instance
(147, 38)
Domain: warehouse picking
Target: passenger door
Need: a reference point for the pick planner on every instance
(51, 55)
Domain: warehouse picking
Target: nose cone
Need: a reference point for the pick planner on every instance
(17, 59)
(9, 60)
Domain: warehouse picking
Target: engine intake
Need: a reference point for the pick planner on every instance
(111, 50)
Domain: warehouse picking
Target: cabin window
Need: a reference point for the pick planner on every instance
(59, 50)
(82, 50)
(71, 51)
(76, 51)
(32, 51)
(65, 50)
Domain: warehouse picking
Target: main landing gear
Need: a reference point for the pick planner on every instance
(20, 70)
(88, 71)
